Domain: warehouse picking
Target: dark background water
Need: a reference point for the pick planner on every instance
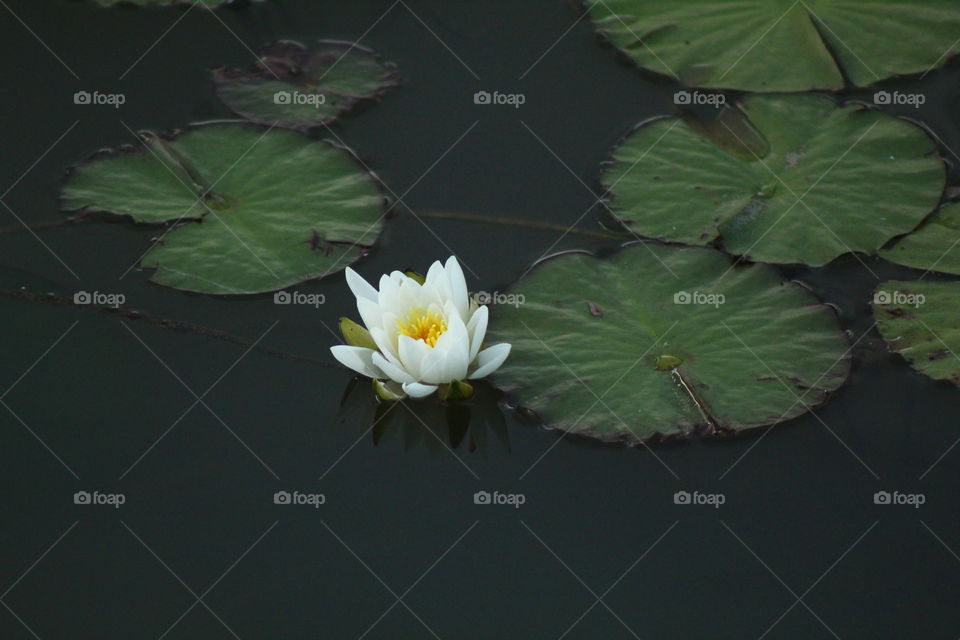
(798, 550)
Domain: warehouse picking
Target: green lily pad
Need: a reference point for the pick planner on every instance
(258, 210)
(920, 320)
(934, 246)
(861, 177)
(299, 87)
(717, 348)
(781, 45)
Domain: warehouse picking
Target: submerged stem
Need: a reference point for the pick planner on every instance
(164, 323)
(712, 428)
(46, 224)
(516, 222)
(439, 215)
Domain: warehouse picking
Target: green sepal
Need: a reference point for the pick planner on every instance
(456, 391)
(413, 275)
(356, 335)
(384, 393)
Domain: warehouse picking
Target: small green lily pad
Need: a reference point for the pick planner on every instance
(687, 341)
(812, 180)
(935, 246)
(251, 210)
(302, 87)
(781, 45)
(920, 320)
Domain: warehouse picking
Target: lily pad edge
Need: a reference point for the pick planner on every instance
(99, 215)
(711, 431)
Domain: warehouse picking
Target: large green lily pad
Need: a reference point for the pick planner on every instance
(934, 246)
(258, 209)
(781, 45)
(711, 346)
(299, 87)
(920, 320)
(861, 178)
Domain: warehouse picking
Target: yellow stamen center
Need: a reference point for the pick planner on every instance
(421, 324)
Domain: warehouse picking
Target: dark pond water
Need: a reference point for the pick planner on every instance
(399, 549)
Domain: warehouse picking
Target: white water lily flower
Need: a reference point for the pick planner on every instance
(425, 334)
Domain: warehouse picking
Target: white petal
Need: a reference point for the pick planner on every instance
(412, 353)
(432, 366)
(489, 360)
(477, 329)
(458, 363)
(409, 296)
(418, 390)
(455, 343)
(456, 330)
(389, 293)
(391, 370)
(370, 313)
(360, 287)
(458, 287)
(360, 359)
(425, 296)
(385, 343)
(438, 281)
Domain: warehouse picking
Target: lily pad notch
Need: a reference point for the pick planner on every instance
(247, 209)
(301, 87)
(748, 45)
(660, 342)
(786, 179)
(920, 321)
(933, 246)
